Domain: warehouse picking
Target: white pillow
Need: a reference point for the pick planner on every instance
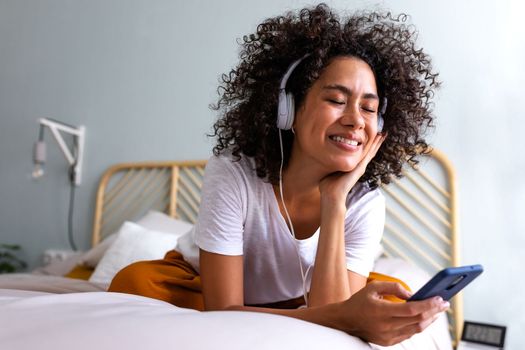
(157, 221)
(133, 243)
(59, 267)
(153, 220)
(92, 257)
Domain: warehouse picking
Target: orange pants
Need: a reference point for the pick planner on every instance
(174, 280)
(171, 279)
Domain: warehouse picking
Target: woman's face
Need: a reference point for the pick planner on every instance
(338, 116)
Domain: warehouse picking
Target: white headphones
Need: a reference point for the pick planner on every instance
(286, 104)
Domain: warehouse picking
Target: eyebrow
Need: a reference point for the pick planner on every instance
(347, 91)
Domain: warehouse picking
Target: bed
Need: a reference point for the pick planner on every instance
(142, 208)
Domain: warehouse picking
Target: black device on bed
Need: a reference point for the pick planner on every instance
(446, 283)
(482, 333)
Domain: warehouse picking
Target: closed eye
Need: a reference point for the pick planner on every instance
(337, 102)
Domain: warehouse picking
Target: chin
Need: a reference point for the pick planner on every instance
(345, 166)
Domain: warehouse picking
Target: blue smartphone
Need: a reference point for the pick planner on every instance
(446, 283)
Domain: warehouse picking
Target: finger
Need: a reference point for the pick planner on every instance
(373, 147)
(390, 288)
(413, 308)
(369, 152)
(378, 141)
(416, 327)
(370, 143)
(401, 322)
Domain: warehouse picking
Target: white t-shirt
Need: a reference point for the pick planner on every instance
(239, 215)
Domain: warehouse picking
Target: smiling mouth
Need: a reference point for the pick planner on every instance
(345, 141)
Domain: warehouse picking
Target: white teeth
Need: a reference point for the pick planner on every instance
(343, 140)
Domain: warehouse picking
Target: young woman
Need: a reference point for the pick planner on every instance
(291, 216)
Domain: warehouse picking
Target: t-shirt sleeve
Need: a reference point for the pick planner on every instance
(364, 227)
(219, 228)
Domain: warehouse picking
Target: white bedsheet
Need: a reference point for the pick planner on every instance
(98, 320)
(47, 283)
(31, 319)
(101, 320)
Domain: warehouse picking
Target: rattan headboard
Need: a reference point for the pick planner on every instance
(421, 221)
(128, 191)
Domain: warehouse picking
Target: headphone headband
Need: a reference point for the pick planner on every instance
(289, 71)
(384, 102)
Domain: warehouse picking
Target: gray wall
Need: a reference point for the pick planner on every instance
(140, 75)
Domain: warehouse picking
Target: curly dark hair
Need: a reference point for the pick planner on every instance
(249, 94)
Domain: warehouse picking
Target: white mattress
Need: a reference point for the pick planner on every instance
(100, 320)
(46, 283)
(33, 316)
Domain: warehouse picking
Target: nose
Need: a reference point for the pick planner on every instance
(352, 117)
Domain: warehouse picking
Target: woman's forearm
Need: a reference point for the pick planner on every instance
(326, 315)
(367, 315)
(330, 276)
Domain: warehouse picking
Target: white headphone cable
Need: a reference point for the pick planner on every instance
(303, 274)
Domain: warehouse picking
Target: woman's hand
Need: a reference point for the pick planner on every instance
(331, 280)
(384, 322)
(337, 185)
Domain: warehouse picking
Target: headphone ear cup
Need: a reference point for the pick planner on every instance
(291, 111)
(380, 122)
(285, 111)
(282, 110)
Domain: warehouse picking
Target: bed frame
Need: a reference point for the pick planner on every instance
(421, 223)
(421, 209)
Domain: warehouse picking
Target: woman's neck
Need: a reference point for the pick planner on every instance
(301, 180)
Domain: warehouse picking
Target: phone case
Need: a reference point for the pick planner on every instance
(446, 283)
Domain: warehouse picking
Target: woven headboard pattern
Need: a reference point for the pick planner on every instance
(421, 221)
(128, 191)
